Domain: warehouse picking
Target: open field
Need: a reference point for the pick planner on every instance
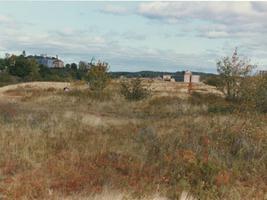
(70, 145)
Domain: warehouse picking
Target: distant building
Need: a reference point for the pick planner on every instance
(167, 77)
(195, 79)
(58, 63)
(189, 77)
(50, 62)
(84, 65)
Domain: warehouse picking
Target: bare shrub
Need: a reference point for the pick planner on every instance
(133, 90)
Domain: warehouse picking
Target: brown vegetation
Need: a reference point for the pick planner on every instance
(58, 145)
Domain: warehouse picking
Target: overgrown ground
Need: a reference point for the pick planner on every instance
(58, 145)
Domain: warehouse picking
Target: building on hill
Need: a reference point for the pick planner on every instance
(190, 78)
(50, 62)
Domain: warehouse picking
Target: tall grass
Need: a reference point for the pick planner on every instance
(51, 146)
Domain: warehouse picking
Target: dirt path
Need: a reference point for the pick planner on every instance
(34, 85)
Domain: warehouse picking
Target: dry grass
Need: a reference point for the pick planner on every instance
(57, 145)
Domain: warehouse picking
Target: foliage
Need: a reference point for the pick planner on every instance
(6, 79)
(216, 104)
(73, 66)
(25, 68)
(133, 90)
(232, 71)
(253, 93)
(2, 64)
(213, 81)
(98, 76)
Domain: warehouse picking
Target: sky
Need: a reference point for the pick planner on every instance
(134, 36)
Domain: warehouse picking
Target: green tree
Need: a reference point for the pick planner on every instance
(67, 66)
(73, 66)
(253, 93)
(231, 73)
(2, 64)
(25, 68)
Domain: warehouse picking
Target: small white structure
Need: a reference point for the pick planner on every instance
(195, 79)
(189, 77)
(167, 77)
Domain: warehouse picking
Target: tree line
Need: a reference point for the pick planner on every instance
(19, 68)
(236, 78)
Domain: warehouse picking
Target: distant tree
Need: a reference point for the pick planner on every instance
(23, 53)
(73, 66)
(98, 76)
(231, 73)
(67, 66)
(23, 67)
(2, 64)
(44, 72)
(83, 66)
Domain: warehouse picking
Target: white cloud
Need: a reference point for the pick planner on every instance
(217, 11)
(216, 34)
(116, 10)
(224, 19)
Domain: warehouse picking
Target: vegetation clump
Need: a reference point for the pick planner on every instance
(134, 90)
(98, 77)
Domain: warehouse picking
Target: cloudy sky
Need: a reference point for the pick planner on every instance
(133, 36)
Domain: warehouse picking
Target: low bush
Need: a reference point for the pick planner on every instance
(222, 108)
(7, 79)
(133, 90)
(253, 95)
(197, 98)
(213, 81)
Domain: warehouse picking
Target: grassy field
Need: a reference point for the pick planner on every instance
(72, 145)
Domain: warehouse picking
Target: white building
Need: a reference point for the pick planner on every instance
(195, 79)
(50, 62)
(189, 77)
